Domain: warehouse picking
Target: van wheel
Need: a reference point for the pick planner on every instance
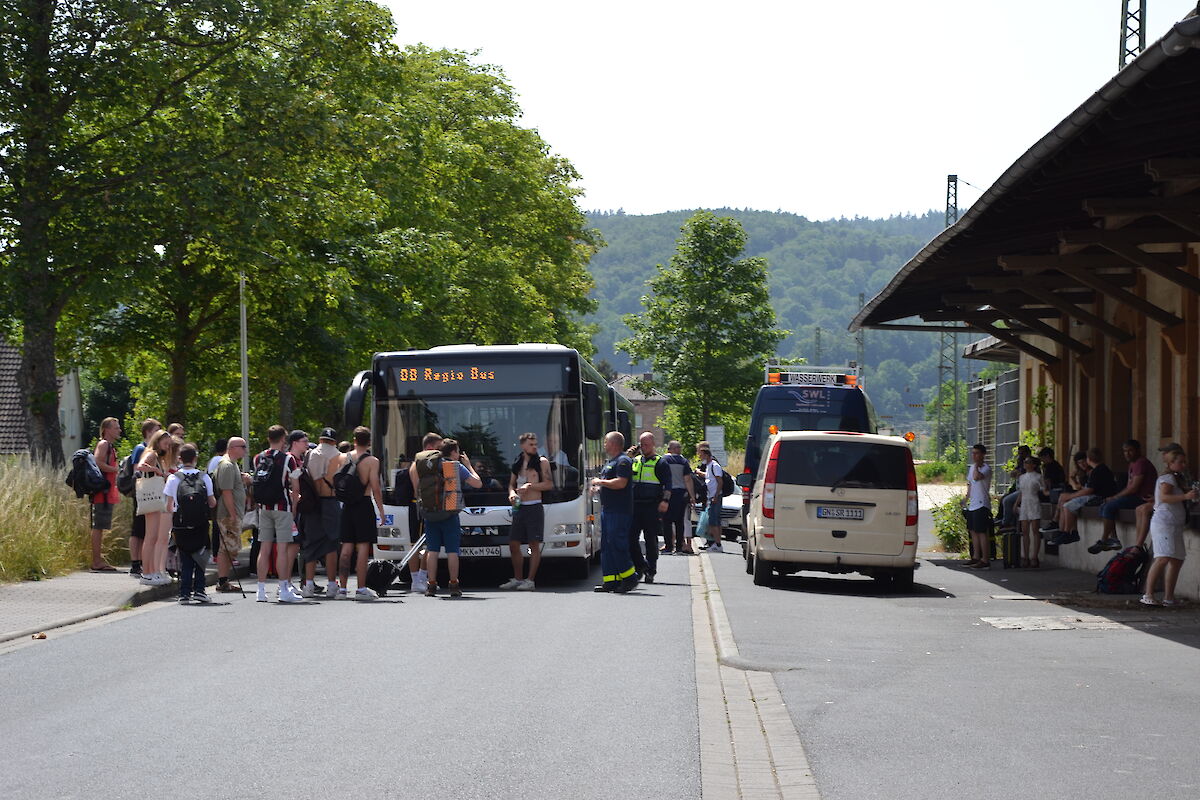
(749, 560)
(762, 572)
(581, 568)
(902, 580)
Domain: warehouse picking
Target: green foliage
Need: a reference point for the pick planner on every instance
(707, 328)
(950, 526)
(817, 271)
(1042, 408)
(941, 471)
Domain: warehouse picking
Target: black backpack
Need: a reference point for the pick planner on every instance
(727, 484)
(308, 490)
(126, 481)
(85, 476)
(189, 523)
(268, 477)
(347, 486)
(381, 575)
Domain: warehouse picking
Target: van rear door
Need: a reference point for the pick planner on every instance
(837, 495)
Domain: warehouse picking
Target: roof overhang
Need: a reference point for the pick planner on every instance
(1112, 190)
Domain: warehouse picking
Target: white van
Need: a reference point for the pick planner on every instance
(833, 501)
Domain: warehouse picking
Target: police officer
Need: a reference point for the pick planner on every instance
(651, 496)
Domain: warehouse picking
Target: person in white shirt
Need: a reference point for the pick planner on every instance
(190, 540)
(979, 508)
(712, 482)
(1029, 510)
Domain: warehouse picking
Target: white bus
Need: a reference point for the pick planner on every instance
(486, 397)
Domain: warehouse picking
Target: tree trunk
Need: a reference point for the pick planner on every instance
(287, 403)
(39, 290)
(177, 396)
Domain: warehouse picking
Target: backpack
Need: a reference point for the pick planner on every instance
(268, 477)
(1123, 572)
(430, 486)
(308, 490)
(347, 486)
(85, 476)
(126, 480)
(381, 574)
(189, 523)
(727, 484)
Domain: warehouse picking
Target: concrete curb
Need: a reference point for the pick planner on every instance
(138, 595)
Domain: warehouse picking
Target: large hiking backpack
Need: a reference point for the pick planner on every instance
(85, 476)
(1123, 572)
(347, 486)
(126, 480)
(268, 477)
(190, 521)
(430, 485)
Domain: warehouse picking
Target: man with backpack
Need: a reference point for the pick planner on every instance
(439, 479)
(714, 484)
(356, 484)
(190, 498)
(276, 476)
(105, 500)
(431, 447)
(324, 517)
(651, 498)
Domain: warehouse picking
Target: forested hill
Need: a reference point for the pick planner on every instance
(817, 270)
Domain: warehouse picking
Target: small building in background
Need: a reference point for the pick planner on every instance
(14, 425)
(648, 406)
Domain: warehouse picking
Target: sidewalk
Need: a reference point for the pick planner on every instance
(31, 607)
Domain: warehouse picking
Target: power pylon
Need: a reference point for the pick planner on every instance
(948, 419)
(1133, 30)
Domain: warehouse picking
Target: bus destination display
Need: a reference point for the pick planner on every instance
(494, 378)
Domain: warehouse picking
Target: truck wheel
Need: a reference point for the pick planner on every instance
(762, 572)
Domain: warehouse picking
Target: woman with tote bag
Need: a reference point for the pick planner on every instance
(152, 471)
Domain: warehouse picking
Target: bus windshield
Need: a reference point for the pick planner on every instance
(487, 430)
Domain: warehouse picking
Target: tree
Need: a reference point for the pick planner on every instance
(76, 81)
(707, 328)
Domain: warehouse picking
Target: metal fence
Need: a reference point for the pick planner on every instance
(993, 420)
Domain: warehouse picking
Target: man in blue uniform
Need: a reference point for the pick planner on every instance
(651, 495)
(616, 502)
(676, 528)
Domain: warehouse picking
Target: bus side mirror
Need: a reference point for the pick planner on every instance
(354, 405)
(744, 480)
(624, 427)
(593, 411)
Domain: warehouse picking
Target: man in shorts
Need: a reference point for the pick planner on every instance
(1101, 484)
(275, 520)
(230, 486)
(359, 529)
(442, 528)
(104, 502)
(530, 477)
(321, 526)
(979, 508)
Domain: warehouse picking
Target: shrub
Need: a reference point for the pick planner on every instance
(44, 528)
(950, 527)
(940, 472)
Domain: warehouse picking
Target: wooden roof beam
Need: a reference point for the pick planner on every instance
(1041, 328)
(1102, 284)
(1050, 261)
(1005, 283)
(1151, 262)
(1177, 175)
(1007, 335)
(1075, 312)
(1148, 206)
(1072, 241)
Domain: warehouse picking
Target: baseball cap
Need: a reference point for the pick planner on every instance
(296, 436)
(1167, 448)
(329, 433)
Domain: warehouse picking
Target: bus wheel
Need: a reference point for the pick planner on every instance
(581, 568)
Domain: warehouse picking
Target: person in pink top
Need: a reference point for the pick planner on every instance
(104, 502)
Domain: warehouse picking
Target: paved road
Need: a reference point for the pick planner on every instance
(593, 696)
(920, 695)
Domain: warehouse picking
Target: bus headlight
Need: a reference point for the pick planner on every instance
(568, 529)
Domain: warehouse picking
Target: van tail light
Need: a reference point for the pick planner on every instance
(745, 489)
(768, 491)
(910, 517)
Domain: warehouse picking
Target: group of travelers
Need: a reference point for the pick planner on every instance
(320, 503)
(1156, 499)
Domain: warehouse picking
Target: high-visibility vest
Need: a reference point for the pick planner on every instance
(646, 485)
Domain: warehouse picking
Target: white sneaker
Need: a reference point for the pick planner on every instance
(164, 579)
(334, 592)
(420, 581)
(262, 594)
(286, 595)
(308, 591)
(716, 548)
(148, 580)
(365, 594)
(526, 585)
(512, 583)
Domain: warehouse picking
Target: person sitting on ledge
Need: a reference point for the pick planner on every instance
(1100, 484)
(1139, 489)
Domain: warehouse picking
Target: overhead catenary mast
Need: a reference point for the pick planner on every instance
(1133, 30)
(947, 420)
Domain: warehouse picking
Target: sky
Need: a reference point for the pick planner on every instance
(839, 108)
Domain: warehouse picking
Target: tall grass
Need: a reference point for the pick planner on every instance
(44, 528)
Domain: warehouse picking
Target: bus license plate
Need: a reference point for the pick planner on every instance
(480, 551)
(836, 512)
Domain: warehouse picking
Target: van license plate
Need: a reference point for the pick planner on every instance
(480, 551)
(836, 512)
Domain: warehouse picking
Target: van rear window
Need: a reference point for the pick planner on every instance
(854, 465)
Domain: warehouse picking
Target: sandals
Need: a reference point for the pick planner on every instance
(1148, 600)
(105, 568)
(1172, 603)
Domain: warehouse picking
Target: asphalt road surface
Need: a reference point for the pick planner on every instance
(918, 697)
(558, 693)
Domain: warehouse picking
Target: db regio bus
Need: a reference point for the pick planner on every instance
(486, 397)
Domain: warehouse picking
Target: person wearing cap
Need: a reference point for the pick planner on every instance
(1145, 511)
(321, 527)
